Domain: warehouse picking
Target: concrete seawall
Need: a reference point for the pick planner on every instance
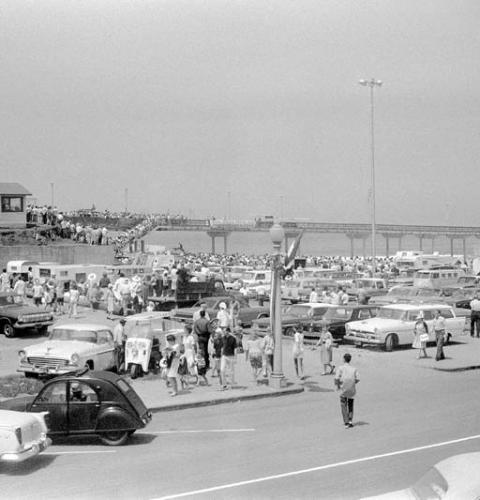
(64, 254)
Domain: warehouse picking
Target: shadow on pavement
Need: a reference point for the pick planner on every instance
(314, 387)
(29, 466)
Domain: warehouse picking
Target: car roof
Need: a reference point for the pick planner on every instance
(83, 326)
(414, 306)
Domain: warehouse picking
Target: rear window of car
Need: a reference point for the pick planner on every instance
(123, 386)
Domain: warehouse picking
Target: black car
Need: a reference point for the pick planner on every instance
(87, 402)
(17, 316)
(337, 317)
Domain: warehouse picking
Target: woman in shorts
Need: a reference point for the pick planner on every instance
(297, 352)
(254, 354)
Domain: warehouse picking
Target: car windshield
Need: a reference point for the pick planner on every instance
(6, 299)
(390, 313)
(431, 486)
(292, 284)
(210, 301)
(338, 313)
(401, 292)
(299, 311)
(81, 335)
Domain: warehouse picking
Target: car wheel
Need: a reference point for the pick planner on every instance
(290, 331)
(114, 438)
(8, 330)
(390, 342)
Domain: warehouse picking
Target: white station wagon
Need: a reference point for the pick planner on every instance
(70, 347)
(22, 435)
(393, 325)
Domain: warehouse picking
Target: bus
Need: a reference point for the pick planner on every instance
(437, 278)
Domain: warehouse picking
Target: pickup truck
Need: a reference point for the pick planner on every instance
(393, 325)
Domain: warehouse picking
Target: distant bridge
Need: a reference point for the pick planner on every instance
(223, 228)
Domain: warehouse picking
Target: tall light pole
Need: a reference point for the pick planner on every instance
(52, 190)
(276, 234)
(372, 83)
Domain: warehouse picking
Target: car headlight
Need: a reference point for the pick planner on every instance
(74, 359)
(22, 355)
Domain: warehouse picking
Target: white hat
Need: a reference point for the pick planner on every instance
(222, 305)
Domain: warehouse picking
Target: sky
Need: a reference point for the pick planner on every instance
(244, 108)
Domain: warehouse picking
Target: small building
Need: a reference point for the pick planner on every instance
(13, 205)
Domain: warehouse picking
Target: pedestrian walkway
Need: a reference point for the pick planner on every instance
(463, 354)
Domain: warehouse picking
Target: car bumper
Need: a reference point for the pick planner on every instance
(47, 370)
(21, 455)
(24, 326)
(362, 340)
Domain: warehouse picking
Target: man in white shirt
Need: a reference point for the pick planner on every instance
(196, 314)
(439, 329)
(313, 296)
(475, 316)
(346, 380)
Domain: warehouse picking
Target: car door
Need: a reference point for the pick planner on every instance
(53, 398)
(83, 407)
(105, 350)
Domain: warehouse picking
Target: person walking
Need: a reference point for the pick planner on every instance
(190, 352)
(110, 300)
(224, 320)
(420, 336)
(201, 328)
(37, 293)
(254, 354)
(346, 380)
(439, 329)
(475, 316)
(215, 350)
(325, 342)
(227, 362)
(172, 355)
(298, 349)
(119, 340)
(73, 302)
(268, 350)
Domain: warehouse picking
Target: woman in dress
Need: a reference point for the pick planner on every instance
(254, 354)
(325, 342)
(191, 348)
(172, 356)
(297, 352)
(420, 336)
(73, 303)
(110, 299)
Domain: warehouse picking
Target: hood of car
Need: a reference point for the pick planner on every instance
(58, 348)
(370, 324)
(21, 310)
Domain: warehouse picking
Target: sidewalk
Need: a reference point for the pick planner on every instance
(463, 354)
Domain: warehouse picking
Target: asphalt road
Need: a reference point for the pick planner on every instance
(407, 418)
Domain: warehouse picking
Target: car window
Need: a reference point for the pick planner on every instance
(412, 315)
(104, 337)
(427, 315)
(364, 314)
(55, 393)
(446, 313)
(82, 393)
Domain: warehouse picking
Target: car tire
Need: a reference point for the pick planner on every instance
(114, 438)
(8, 330)
(391, 342)
(290, 331)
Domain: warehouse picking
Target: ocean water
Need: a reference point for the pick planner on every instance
(311, 244)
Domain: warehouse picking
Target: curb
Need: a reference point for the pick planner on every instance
(232, 399)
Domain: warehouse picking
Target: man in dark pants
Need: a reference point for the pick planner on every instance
(201, 327)
(346, 379)
(475, 316)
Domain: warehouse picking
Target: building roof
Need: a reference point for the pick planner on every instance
(13, 188)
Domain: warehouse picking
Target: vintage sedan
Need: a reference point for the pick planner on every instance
(246, 312)
(393, 325)
(22, 435)
(88, 402)
(70, 347)
(16, 316)
(336, 318)
(305, 315)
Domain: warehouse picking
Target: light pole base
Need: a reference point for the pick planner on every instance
(277, 381)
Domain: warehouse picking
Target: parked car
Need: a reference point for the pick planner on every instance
(454, 478)
(70, 347)
(22, 435)
(370, 287)
(246, 315)
(393, 325)
(299, 290)
(17, 316)
(297, 314)
(87, 402)
(336, 317)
